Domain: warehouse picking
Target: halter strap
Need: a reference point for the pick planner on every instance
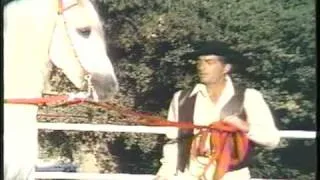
(62, 8)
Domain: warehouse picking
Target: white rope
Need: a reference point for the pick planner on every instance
(290, 134)
(79, 95)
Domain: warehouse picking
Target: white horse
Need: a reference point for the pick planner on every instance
(67, 33)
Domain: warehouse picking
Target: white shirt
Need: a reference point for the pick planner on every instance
(262, 129)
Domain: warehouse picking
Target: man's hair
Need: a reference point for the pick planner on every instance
(220, 58)
(223, 59)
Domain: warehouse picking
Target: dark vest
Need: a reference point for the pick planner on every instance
(186, 111)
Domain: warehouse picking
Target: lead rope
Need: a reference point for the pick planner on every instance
(221, 153)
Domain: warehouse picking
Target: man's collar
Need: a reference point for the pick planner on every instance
(201, 88)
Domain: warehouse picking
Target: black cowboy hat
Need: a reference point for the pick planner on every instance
(216, 48)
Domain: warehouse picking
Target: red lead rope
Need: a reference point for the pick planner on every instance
(231, 144)
(36, 101)
(44, 100)
(222, 134)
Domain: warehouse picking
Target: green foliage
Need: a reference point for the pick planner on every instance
(147, 39)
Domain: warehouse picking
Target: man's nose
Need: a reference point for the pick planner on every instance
(201, 67)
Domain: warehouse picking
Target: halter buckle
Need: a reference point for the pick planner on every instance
(91, 91)
(90, 94)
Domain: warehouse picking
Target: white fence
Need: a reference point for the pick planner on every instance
(147, 129)
(128, 129)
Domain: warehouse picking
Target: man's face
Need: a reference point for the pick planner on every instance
(210, 69)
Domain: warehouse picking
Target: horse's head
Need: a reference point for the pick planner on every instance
(78, 47)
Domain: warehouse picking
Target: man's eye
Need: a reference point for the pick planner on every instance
(210, 61)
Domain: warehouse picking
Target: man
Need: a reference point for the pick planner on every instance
(210, 100)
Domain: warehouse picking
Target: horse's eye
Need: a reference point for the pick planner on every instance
(85, 31)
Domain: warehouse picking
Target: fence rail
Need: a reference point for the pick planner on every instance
(289, 134)
(93, 176)
(129, 129)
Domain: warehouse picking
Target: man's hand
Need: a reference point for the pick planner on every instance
(237, 122)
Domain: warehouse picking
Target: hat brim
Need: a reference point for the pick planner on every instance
(215, 48)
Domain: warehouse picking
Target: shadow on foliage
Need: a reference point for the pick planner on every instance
(132, 159)
(299, 155)
(297, 160)
(57, 139)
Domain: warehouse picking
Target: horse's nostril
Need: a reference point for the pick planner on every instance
(105, 86)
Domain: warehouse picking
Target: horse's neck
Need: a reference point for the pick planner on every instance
(27, 36)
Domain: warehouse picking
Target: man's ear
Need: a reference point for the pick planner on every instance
(227, 68)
